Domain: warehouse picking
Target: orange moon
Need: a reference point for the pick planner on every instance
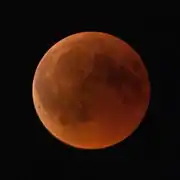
(91, 90)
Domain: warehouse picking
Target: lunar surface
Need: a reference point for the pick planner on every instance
(91, 90)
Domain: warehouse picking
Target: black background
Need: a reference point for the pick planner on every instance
(152, 150)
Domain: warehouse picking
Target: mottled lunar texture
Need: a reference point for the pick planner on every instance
(91, 90)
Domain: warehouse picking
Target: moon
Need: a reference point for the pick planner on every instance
(91, 90)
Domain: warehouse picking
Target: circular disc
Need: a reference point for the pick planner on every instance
(91, 90)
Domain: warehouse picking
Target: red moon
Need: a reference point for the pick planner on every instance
(91, 90)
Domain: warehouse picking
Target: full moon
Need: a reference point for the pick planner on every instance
(91, 90)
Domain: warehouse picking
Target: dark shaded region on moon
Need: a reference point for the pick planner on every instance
(75, 106)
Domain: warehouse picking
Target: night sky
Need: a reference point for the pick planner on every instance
(152, 150)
